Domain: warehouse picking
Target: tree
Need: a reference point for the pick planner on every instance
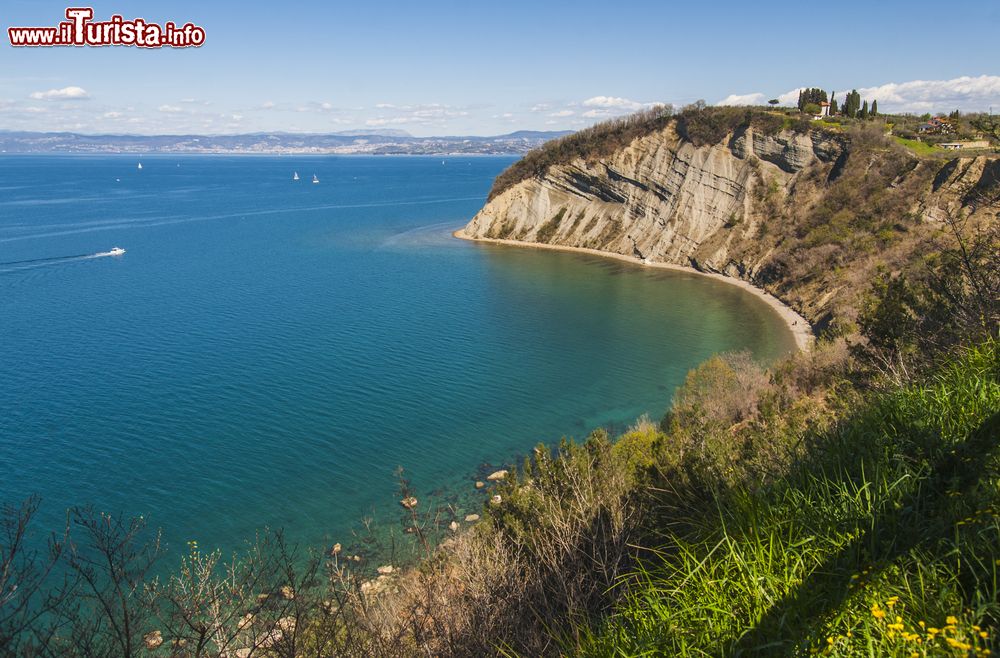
(811, 108)
(863, 114)
(852, 104)
(833, 103)
(111, 610)
(773, 102)
(953, 298)
(30, 592)
(874, 111)
(811, 96)
(988, 125)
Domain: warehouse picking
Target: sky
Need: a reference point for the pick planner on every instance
(472, 68)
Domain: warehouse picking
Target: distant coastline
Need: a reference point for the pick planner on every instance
(275, 143)
(799, 327)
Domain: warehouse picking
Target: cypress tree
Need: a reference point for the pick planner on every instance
(864, 111)
(833, 103)
(852, 104)
(874, 108)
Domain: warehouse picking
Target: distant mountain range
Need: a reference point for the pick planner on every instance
(382, 142)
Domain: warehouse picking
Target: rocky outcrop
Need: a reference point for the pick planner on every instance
(661, 198)
(725, 208)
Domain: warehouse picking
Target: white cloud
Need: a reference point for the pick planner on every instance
(742, 99)
(170, 109)
(111, 115)
(64, 94)
(965, 93)
(563, 113)
(428, 114)
(541, 107)
(382, 121)
(598, 114)
(267, 105)
(614, 103)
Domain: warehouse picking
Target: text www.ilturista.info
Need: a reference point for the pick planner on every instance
(80, 30)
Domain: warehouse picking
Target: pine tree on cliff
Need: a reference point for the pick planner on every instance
(800, 104)
(833, 103)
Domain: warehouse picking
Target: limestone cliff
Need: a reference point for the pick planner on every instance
(747, 207)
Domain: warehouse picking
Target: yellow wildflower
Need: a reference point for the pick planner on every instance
(955, 644)
(951, 621)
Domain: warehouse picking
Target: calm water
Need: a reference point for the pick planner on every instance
(269, 351)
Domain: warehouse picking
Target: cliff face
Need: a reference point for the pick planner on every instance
(742, 207)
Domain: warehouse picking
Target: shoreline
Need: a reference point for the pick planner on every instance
(799, 327)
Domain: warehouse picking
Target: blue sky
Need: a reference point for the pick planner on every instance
(437, 67)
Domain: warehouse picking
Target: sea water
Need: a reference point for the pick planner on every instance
(268, 352)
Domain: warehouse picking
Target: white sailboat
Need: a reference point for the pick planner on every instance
(295, 176)
(315, 178)
(140, 166)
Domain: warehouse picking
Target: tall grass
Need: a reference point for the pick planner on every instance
(885, 541)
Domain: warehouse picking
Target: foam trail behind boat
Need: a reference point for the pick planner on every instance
(18, 265)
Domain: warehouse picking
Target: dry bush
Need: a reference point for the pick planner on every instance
(720, 392)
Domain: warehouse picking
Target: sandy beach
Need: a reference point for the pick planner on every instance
(800, 328)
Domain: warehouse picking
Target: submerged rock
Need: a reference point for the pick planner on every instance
(453, 526)
(385, 570)
(471, 518)
(409, 503)
(497, 475)
(480, 484)
(152, 640)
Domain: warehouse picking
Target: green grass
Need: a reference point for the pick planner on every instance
(885, 541)
(920, 148)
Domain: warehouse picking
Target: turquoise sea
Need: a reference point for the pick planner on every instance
(268, 352)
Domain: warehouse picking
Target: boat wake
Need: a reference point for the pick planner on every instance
(19, 265)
